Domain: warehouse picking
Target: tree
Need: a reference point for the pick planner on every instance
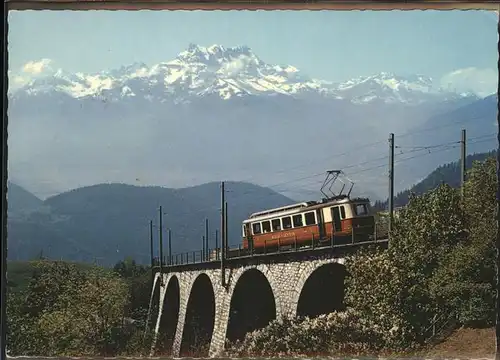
(374, 288)
(87, 322)
(49, 280)
(139, 280)
(467, 279)
(22, 330)
(394, 287)
(69, 311)
(128, 268)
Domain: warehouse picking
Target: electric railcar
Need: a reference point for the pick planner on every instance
(338, 218)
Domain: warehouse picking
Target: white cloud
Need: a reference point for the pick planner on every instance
(19, 80)
(36, 67)
(16, 81)
(482, 82)
(29, 71)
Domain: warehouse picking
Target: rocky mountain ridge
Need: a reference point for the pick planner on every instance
(226, 73)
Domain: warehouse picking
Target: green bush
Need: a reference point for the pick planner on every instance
(68, 311)
(340, 332)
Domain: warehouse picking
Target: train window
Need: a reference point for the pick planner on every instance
(256, 228)
(266, 226)
(310, 218)
(342, 212)
(276, 224)
(287, 222)
(297, 220)
(360, 209)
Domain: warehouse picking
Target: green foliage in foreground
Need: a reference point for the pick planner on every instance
(439, 269)
(70, 310)
(341, 333)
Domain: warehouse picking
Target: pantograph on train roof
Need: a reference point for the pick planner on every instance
(331, 177)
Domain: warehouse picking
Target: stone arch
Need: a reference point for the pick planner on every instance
(169, 317)
(252, 304)
(322, 291)
(200, 318)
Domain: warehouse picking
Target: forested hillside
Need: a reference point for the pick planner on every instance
(445, 174)
(108, 222)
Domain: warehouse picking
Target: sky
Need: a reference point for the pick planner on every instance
(329, 45)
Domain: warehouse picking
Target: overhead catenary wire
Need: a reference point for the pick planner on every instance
(452, 123)
(427, 149)
(449, 147)
(353, 150)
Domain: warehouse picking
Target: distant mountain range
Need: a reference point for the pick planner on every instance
(226, 73)
(437, 141)
(21, 201)
(216, 113)
(109, 222)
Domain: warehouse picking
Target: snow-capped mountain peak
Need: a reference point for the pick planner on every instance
(215, 55)
(391, 81)
(226, 72)
(392, 88)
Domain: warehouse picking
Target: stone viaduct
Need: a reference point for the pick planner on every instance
(192, 311)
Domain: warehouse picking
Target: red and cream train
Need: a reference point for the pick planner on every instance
(341, 217)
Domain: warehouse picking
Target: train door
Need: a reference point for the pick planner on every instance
(321, 224)
(337, 224)
(247, 233)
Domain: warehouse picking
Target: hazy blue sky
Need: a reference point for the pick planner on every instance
(329, 45)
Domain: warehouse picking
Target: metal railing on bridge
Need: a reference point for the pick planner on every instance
(275, 247)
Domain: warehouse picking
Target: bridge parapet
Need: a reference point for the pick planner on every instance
(239, 254)
(214, 254)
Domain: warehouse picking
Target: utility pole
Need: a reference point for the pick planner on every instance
(169, 247)
(226, 233)
(391, 182)
(463, 166)
(222, 229)
(161, 242)
(497, 323)
(151, 246)
(203, 249)
(216, 244)
(206, 240)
